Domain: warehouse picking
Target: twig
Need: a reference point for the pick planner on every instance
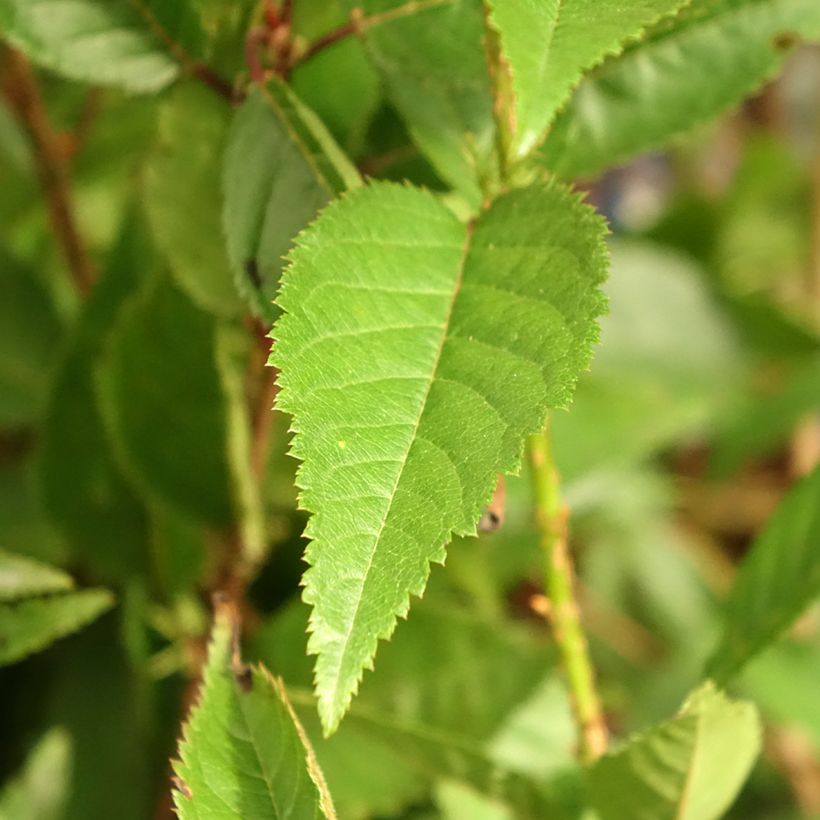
(23, 93)
(200, 70)
(551, 521)
(358, 24)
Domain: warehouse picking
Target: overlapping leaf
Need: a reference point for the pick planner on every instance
(778, 579)
(547, 45)
(281, 167)
(244, 754)
(416, 353)
(689, 768)
(112, 42)
(687, 72)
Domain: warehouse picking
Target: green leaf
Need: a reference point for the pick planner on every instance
(684, 74)
(31, 625)
(164, 402)
(85, 492)
(29, 326)
(281, 167)
(455, 340)
(547, 45)
(421, 713)
(779, 577)
(689, 768)
(21, 577)
(38, 792)
(183, 196)
(431, 58)
(244, 754)
(457, 801)
(106, 42)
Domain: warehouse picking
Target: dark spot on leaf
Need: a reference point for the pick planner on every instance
(243, 676)
(252, 271)
(786, 41)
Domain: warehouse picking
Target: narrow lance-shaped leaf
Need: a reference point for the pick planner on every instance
(685, 73)
(778, 579)
(415, 354)
(281, 166)
(244, 754)
(109, 42)
(21, 577)
(549, 43)
(689, 768)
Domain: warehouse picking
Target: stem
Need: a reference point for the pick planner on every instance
(551, 521)
(23, 93)
(358, 24)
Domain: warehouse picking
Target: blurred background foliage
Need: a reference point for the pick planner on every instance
(119, 420)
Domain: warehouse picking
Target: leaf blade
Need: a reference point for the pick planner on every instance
(426, 318)
(245, 713)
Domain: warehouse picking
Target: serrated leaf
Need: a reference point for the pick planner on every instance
(107, 42)
(31, 625)
(689, 768)
(183, 196)
(684, 74)
(165, 405)
(431, 58)
(779, 577)
(547, 44)
(281, 167)
(415, 354)
(244, 754)
(38, 792)
(21, 577)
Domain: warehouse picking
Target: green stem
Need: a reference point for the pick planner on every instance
(551, 520)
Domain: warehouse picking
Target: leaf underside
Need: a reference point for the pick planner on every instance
(688, 768)
(415, 354)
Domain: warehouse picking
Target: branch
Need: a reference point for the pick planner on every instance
(23, 94)
(551, 521)
(358, 24)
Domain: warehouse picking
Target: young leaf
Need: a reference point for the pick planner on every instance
(183, 196)
(454, 340)
(281, 167)
(548, 44)
(31, 625)
(689, 768)
(431, 58)
(107, 42)
(684, 74)
(21, 577)
(244, 754)
(778, 579)
(165, 405)
(39, 791)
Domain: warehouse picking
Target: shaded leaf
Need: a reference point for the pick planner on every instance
(244, 754)
(547, 45)
(31, 625)
(685, 72)
(183, 196)
(431, 58)
(689, 768)
(779, 577)
(21, 577)
(281, 167)
(454, 341)
(107, 42)
(38, 792)
(29, 327)
(165, 405)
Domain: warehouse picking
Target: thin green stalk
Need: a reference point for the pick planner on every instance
(551, 519)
